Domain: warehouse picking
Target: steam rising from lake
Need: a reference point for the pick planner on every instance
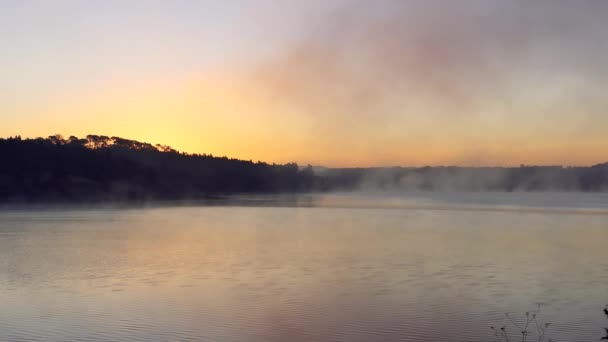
(474, 82)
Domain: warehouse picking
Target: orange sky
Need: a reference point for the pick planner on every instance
(340, 84)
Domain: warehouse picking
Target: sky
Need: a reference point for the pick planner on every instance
(322, 82)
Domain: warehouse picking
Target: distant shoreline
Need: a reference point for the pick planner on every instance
(101, 169)
(418, 201)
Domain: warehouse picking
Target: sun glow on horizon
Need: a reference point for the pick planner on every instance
(403, 84)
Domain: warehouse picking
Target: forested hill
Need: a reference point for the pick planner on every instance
(101, 168)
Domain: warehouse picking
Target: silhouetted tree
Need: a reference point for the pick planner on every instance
(101, 168)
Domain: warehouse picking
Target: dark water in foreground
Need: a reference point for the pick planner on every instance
(329, 268)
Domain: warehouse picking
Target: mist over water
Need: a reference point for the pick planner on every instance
(455, 170)
(339, 267)
(460, 83)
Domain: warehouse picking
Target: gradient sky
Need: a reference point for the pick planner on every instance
(326, 82)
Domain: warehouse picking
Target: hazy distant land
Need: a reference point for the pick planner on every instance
(101, 168)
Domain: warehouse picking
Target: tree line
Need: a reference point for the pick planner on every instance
(103, 168)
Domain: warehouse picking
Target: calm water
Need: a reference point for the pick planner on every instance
(426, 267)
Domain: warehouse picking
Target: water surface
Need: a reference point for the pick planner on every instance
(422, 267)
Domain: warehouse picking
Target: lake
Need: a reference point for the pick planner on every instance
(340, 267)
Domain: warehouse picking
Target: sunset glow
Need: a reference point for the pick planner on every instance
(334, 83)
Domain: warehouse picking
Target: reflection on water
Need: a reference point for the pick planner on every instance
(332, 268)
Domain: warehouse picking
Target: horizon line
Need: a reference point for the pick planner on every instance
(317, 165)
